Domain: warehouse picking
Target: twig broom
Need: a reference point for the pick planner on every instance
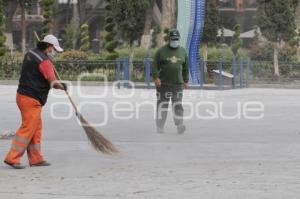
(98, 141)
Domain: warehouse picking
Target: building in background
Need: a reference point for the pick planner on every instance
(238, 12)
(241, 12)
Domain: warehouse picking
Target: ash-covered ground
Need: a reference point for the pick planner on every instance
(254, 154)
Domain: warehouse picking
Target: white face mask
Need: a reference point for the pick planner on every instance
(174, 43)
(52, 54)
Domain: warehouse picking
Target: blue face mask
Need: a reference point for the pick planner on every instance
(174, 43)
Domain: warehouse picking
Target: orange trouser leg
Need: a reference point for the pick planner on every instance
(34, 149)
(31, 114)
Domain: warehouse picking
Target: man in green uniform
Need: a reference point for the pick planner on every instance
(171, 76)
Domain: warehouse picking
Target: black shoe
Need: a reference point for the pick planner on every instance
(15, 166)
(181, 129)
(41, 164)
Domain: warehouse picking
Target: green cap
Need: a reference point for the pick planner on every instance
(174, 34)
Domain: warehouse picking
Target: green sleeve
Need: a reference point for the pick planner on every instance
(156, 65)
(185, 69)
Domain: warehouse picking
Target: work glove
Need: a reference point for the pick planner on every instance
(157, 82)
(65, 86)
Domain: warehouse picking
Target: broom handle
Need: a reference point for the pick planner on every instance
(67, 93)
(58, 77)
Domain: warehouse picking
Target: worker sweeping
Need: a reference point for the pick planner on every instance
(37, 78)
(171, 76)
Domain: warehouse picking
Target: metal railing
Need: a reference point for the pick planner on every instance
(245, 72)
(71, 70)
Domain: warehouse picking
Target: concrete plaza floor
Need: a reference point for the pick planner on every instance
(215, 159)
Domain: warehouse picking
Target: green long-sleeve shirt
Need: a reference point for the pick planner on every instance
(171, 65)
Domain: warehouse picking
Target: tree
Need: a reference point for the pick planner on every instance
(47, 14)
(155, 32)
(168, 17)
(211, 26)
(276, 20)
(110, 43)
(297, 16)
(81, 7)
(24, 5)
(255, 41)
(10, 9)
(166, 34)
(297, 12)
(295, 4)
(298, 44)
(23, 25)
(84, 37)
(236, 42)
(130, 17)
(3, 48)
(70, 36)
(222, 38)
(145, 41)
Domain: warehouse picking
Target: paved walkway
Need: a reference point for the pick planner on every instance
(227, 159)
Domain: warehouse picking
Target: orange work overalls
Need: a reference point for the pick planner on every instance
(28, 136)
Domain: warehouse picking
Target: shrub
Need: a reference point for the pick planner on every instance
(110, 46)
(215, 54)
(236, 42)
(139, 53)
(288, 54)
(84, 37)
(110, 40)
(73, 55)
(108, 19)
(70, 35)
(264, 51)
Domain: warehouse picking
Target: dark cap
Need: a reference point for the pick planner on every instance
(174, 34)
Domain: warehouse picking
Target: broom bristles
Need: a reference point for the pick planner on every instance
(98, 141)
